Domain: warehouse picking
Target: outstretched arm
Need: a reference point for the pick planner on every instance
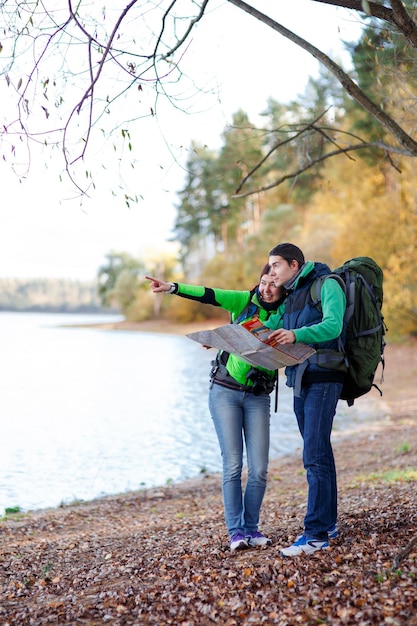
(229, 300)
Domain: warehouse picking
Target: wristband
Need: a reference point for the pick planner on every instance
(172, 289)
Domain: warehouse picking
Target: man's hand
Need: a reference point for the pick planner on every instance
(282, 336)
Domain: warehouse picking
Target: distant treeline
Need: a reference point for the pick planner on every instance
(55, 295)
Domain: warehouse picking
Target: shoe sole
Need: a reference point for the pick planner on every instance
(242, 546)
(259, 545)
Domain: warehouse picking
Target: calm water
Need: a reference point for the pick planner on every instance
(87, 413)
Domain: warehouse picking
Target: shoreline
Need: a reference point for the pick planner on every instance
(378, 412)
(157, 326)
(160, 556)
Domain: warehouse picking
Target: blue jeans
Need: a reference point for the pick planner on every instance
(315, 411)
(240, 417)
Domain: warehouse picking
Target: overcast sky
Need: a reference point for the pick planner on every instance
(44, 232)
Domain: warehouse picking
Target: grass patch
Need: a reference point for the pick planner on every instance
(12, 512)
(402, 448)
(406, 475)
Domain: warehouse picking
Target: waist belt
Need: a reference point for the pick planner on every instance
(220, 376)
(235, 387)
(325, 360)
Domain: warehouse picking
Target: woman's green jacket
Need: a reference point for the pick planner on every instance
(242, 306)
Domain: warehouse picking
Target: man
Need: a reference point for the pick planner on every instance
(317, 382)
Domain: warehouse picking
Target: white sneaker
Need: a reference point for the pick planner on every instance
(333, 532)
(305, 545)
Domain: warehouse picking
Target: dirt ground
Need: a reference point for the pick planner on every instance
(161, 556)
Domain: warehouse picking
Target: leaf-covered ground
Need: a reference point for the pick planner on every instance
(161, 556)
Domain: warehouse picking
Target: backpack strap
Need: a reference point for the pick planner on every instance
(377, 309)
(249, 311)
(349, 289)
(330, 359)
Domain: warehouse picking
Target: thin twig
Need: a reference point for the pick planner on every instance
(401, 555)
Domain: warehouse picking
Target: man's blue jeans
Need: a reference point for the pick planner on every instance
(315, 411)
(240, 417)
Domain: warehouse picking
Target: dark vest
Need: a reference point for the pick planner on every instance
(301, 311)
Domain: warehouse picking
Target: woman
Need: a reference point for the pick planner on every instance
(239, 402)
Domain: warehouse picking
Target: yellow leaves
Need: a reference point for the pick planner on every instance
(370, 214)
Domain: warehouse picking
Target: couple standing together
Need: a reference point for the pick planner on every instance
(239, 397)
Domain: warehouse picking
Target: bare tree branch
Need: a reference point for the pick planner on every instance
(362, 146)
(180, 42)
(404, 22)
(104, 50)
(397, 16)
(348, 84)
(376, 10)
(279, 144)
(84, 32)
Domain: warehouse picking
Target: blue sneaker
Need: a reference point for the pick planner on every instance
(238, 542)
(333, 532)
(257, 539)
(305, 545)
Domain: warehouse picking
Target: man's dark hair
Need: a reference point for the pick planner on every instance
(289, 252)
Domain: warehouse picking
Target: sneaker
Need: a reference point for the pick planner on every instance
(306, 545)
(257, 539)
(238, 542)
(333, 532)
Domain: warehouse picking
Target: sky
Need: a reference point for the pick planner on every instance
(241, 62)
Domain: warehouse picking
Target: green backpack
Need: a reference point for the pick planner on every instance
(364, 326)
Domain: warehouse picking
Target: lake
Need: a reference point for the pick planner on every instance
(88, 412)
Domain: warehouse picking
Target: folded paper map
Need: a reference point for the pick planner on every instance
(250, 342)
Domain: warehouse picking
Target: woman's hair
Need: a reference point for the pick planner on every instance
(289, 252)
(265, 270)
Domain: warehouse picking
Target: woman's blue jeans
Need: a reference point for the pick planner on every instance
(315, 410)
(240, 417)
